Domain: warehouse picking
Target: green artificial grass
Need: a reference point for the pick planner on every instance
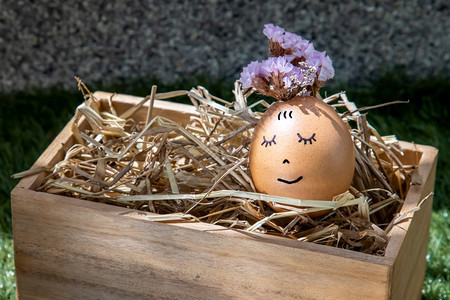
(29, 120)
(7, 278)
(437, 276)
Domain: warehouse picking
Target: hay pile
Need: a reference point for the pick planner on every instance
(199, 172)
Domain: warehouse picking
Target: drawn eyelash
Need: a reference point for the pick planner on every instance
(310, 140)
(266, 142)
(284, 114)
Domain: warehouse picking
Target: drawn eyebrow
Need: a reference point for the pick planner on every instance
(310, 140)
(266, 142)
(284, 114)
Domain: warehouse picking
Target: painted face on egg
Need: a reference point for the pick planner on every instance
(302, 149)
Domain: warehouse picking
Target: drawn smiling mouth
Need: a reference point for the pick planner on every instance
(290, 182)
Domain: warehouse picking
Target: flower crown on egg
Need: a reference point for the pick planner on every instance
(295, 68)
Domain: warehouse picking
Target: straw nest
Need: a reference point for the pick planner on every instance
(199, 172)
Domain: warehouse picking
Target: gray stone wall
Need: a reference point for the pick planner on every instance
(48, 42)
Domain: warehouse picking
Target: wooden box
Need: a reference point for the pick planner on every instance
(67, 248)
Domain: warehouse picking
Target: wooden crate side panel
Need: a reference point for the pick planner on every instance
(51, 155)
(347, 255)
(65, 249)
(69, 252)
(410, 258)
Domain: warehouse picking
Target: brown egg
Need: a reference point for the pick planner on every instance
(302, 149)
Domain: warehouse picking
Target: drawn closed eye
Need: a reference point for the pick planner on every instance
(268, 142)
(305, 141)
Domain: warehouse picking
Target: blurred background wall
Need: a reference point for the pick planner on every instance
(43, 43)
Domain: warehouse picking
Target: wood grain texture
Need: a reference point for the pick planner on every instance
(67, 248)
(82, 248)
(409, 240)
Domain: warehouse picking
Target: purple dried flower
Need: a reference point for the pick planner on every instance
(322, 63)
(257, 70)
(277, 65)
(274, 33)
(326, 70)
(314, 59)
(299, 46)
(303, 49)
(276, 77)
(286, 43)
(297, 49)
(295, 67)
(294, 78)
(273, 66)
(250, 73)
